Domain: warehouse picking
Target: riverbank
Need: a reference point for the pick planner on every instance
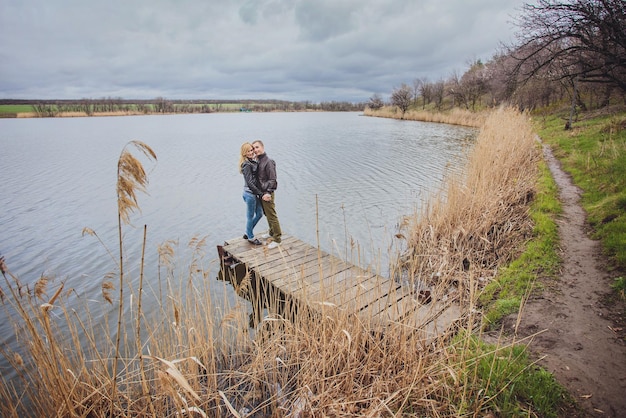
(25, 115)
(455, 116)
(22, 115)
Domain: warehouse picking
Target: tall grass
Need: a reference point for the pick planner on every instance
(198, 356)
(476, 223)
(455, 116)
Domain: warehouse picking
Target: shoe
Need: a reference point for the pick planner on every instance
(272, 245)
(265, 236)
(245, 236)
(254, 241)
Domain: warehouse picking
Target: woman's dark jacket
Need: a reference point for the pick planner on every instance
(251, 182)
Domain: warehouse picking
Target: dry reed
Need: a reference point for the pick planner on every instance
(131, 178)
(477, 222)
(455, 116)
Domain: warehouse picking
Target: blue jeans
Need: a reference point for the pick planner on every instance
(254, 212)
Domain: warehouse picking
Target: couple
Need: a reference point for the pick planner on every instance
(259, 174)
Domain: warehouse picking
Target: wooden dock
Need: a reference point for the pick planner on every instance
(308, 277)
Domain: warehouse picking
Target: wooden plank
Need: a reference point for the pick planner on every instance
(395, 305)
(330, 284)
(283, 271)
(310, 275)
(258, 255)
(318, 275)
(346, 285)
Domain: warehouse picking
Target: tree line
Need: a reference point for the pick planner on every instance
(564, 50)
(89, 107)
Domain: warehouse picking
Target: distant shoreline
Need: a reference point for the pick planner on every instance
(23, 115)
(120, 107)
(34, 115)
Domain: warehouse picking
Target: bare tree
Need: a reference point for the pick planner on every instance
(87, 106)
(402, 98)
(500, 84)
(426, 91)
(417, 86)
(45, 110)
(475, 80)
(438, 93)
(584, 39)
(469, 88)
(161, 105)
(375, 102)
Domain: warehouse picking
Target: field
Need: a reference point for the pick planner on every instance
(13, 110)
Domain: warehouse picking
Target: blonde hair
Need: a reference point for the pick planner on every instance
(245, 147)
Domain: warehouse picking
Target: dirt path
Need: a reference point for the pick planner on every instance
(582, 345)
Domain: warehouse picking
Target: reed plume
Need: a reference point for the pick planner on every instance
(131, 178)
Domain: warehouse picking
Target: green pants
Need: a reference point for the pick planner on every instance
(272, 219)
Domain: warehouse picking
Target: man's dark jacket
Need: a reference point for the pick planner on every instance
(266, 172)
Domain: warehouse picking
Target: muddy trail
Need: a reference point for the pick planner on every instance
(578, 324)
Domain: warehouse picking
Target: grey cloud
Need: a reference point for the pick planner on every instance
(290, 49)
(248, 12)
(323, 19)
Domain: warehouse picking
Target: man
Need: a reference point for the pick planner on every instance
(266, 173)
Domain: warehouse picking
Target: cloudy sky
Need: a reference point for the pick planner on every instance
(315, 50)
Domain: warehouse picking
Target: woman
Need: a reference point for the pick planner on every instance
(251, 192)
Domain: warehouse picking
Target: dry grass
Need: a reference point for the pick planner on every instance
(199, 359)
(455, 116)
(199, 356)
(478, 221)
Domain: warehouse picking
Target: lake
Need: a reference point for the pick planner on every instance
(343, 177)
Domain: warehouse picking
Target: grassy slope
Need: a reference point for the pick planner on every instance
(594, 153)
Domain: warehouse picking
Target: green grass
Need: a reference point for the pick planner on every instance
(508, 383)
(594, 153)
(619, 284)
(12, 110)
(514, 283)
